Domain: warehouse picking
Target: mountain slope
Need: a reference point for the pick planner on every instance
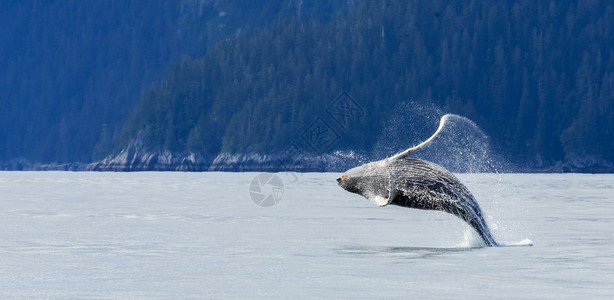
(535, 75)
(72, 71)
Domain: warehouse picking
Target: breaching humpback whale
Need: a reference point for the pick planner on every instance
(415, 183)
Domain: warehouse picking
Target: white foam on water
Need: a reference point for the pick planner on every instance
(525, 242)
(470, 239)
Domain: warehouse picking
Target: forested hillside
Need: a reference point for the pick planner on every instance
(72, 71)
(537, 76)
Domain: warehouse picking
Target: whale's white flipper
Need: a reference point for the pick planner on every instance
(411, 150)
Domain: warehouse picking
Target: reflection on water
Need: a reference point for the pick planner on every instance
(403, 252)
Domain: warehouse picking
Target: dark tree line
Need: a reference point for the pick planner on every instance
(537, 76)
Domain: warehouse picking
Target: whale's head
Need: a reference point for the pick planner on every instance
(371, 181)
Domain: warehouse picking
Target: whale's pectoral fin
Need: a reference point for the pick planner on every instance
(423, 144)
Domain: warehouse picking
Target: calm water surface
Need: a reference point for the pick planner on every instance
(199, 235)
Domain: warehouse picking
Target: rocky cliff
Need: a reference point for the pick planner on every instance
(136, 158)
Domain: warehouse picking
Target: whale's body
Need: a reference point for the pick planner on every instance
(424, 185)
(419, 184)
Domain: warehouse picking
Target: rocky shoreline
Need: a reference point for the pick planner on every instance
(133, 159)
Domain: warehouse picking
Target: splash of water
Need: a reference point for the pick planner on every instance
(461, 145)
(525, 242)
(407, 126)
(342, 159)
(470, 240)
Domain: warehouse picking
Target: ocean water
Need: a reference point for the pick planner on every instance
(200, 235)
